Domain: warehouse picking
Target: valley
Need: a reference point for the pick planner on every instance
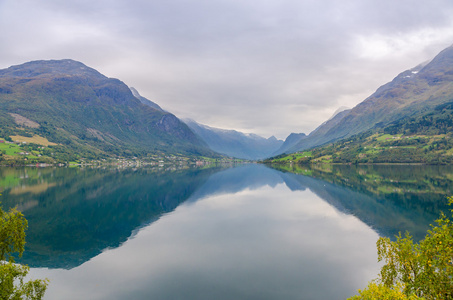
(247, 150)
(62, 111)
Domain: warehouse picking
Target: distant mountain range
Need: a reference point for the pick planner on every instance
(295, 139)
(80, 109)
(415, 93)
(292, 140)
(234, 143)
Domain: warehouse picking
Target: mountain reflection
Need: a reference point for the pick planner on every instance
(75, 214)
(388, 198)
(84, 211)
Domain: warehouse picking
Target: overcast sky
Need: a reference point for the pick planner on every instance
(269, 67)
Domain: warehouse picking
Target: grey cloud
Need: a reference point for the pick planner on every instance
(270, 67)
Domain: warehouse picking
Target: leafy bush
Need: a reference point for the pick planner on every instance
(12, 276)
(415, 270)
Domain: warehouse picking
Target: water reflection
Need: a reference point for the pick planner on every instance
(248, 232)
(80, 212)
(389, 198)
(248, 238)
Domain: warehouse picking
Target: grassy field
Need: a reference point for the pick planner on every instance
(295, 157)
(10, 149)
(36, 139)
(29, 149)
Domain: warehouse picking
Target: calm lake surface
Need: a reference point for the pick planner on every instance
(246, 232)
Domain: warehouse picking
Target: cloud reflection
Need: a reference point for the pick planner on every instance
(262, 243)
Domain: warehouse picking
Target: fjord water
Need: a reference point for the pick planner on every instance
(248, 232)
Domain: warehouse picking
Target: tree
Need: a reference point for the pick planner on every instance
(12, 276)
(380, 291)
(415, 270)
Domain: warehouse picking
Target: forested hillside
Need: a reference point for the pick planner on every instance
(82, 113)
(417, 96)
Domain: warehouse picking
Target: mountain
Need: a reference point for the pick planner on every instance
(297, 138)
(144, 100)
(234, 143)
(411, 94)
(80, 109)
(292, 140)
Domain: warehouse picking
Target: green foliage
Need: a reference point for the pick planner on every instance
(382, 292)
(12, 233)
(10, 149)
(13, 285)
(299, 157)
(438, 121)
(422, 269)
(12, 276)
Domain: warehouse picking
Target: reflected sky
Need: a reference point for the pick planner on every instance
(246, 239)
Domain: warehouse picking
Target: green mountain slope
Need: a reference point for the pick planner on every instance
(425, 138)
(82, 110)
(411, 94)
